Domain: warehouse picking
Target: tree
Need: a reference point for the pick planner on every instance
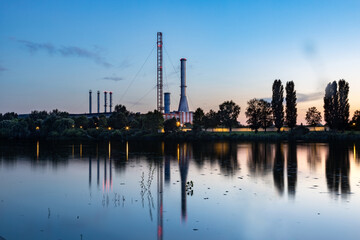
(265, 114)
(313, 116)
(198, 121)
(253, 114)
(35, 115)
(291, 110)
(331, 105)
(336, 105)
(211, 119)
(356, 119)
(343, 109)
(258, 113)
(170, 125)
(9, 116)
(117, 120)
(121, 109)
(153, 121)
(81, 122)
(277, 104)
(228, 114)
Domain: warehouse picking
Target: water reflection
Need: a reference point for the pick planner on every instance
(338, 169)
(278, 169)
(292, 166)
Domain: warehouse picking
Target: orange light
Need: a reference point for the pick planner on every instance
(127, 128)
(109, 128)
(97, 127)
(37, 128)
(80, 126)
(178, 124)
(354, 124)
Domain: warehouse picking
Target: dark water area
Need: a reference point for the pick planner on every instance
(169, 190)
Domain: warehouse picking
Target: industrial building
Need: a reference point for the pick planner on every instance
(182, 114)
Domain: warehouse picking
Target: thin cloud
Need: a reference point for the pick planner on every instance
(65, 51)
(2, 69)
(116, 79)
(302, 97)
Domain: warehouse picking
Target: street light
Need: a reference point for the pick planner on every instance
(178, 124)
(37, 128)
(127, 128)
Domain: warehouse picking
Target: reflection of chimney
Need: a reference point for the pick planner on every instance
(183, 106)
(105, 101)
(167, 102)
(184, 168)
(89, 171)
(167, 168)
(98, 101)
(90, 92)
(110, 102)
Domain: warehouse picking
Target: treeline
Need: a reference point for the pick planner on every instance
(57, 124)
(263, 114)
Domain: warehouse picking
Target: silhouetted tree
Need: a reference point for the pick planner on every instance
(356, 119)
(277, 104)
(198, 120)
(58, 113)
(265, 114)
(258, 113)
(121, 109)
(313, 116)
(228, 114)
(252, 113)
(211, 119)
(9, 116)
(118, 120)
(35, 115)
(81, 121)
(170, 125)
(331, 105)
(153, 121)
(291, 110)
(343, 109)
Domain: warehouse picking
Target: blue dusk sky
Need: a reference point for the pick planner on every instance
(53, 52)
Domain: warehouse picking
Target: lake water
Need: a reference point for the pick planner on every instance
(157, 190)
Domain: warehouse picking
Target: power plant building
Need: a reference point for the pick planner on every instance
(182, 114)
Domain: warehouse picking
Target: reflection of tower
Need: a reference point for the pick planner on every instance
(98, 171)
(183, 158)
(292, 168)
(160, 184)
(278, 170)
(167, 169)
(89, 171)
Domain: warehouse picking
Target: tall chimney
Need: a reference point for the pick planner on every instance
(110, 102)
(105, 101)
(183, 106)
(98, 101)
(167, 102)
(90, 92)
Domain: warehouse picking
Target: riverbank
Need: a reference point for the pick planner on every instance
(102, 135)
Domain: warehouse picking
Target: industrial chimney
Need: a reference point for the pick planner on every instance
(90, 92)
(110, 102)
(105, 101)
(98, 101)
(167, 102)
(183, 106)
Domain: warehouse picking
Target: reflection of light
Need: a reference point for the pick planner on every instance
(127, 150)
(354, 152)
(162, 148)
(72, 151)
(221, 148)
(80, 150)
(178, 152)
(37, 149)
(221, 129)
(109, 149)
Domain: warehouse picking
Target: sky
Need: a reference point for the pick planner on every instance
(53, 52)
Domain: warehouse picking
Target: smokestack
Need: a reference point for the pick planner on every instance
(90, 92)
(105, 101)
(98, 101)
(167, 102)
(110, 102)
(183, 106)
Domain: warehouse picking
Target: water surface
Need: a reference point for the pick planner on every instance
(157, 190)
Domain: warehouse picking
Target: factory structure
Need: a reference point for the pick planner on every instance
(98, 102)
(183, 115)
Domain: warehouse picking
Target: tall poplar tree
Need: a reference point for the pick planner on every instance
(343, 110)
(277, 104)
(291, 110)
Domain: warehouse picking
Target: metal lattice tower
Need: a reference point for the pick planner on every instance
(160, 106)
